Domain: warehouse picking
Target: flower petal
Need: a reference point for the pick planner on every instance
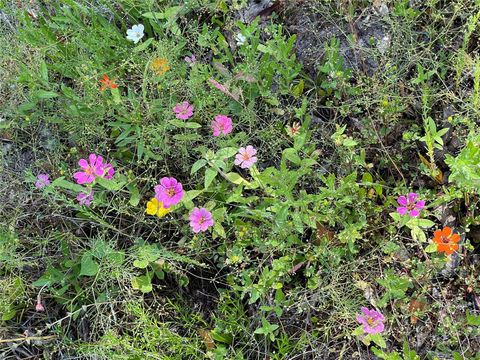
(412, 197)
(402, 200)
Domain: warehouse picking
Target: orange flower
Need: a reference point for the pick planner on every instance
(107, 83)
(446, 240)
(160, 66)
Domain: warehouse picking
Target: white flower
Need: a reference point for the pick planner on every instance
(135, 33)
(241, 39)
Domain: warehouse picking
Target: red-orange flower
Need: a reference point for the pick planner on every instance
(107, 83)
(446, 240)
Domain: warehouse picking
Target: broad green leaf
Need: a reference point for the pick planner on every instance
(134, 195)
(88, 266)
(44, 94)
(62, 183)
(141, 264)
(236, 179)
(378, 339)
(143, 45)
(198, 165)
(226, 152)
(184, 124)
(473, 319)
(219, 230)
(142, 283)
(432, 247)
(425, 223)
(188, 197)
(210, 175)
(111, 184)
(291, 155)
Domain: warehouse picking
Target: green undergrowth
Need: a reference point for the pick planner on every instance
(300, 241)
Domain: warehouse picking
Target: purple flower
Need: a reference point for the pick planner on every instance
(200, 219)
(42, 181)
(85, 198)
(93, 167)
(190, 60)
(183, 111)
(372, 321)
(169, 191)
(108, 171)
(410, 204)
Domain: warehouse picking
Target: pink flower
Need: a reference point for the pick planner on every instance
(169, 191)
(183, 110)
(410, 204)
(108, 171)
(222, 125)
(190, 60)
(42, 181)
(200, 219)
(85, 198)
(246, 157)
(39, 307)
(90, 169)
(372, 321)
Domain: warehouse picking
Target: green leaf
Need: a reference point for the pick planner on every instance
(44, 72)
(292, 155)
(143, 45)
(88, 266)
(198, 165)
(44, 94)
(210, 175)
(184, 124)
(473, 319)
(226, 152)
(62, 183)
(378, 339)
(134, 195)
(236, 179)
(111, 184)
(8, 315)
(141, 264)
(142, 283)
(431, 248)
(424, 223)
(219, 230)
(187, 200)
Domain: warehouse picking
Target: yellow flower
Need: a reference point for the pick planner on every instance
(155, 207)
(160, 66)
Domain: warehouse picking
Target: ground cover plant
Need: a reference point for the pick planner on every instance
(213, 179)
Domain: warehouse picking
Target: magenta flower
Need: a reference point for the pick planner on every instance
(183, 110)
(410, 204)
(42, 181)
(222, 125)
(94, 167)
(108, 171)
(372, 321)
(246, 157)
(169, 191)
(85, 198)
(200, 219)
(190, 60)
